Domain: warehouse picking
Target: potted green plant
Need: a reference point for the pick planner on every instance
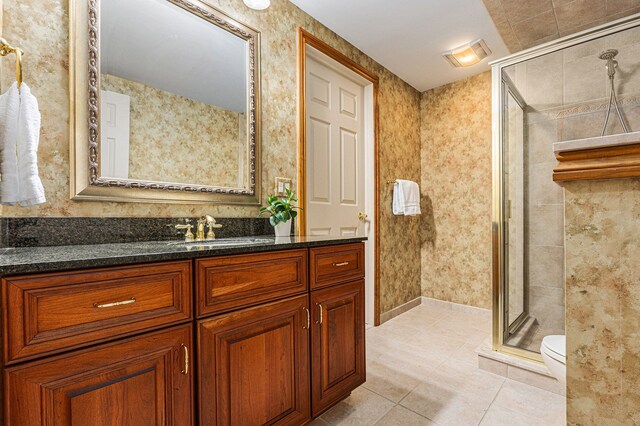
(282, 212)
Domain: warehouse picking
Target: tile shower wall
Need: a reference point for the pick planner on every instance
(456, 192)
(41, 28)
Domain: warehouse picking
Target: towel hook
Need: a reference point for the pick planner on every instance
(6, 49)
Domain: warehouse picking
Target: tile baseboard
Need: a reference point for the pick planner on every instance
(458, 307)
(398, 310)
(440, 304)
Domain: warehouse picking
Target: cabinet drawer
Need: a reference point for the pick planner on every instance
(336, 264)
(229, 282)
(49, 313)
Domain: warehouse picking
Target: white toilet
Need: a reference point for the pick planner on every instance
(554, 353)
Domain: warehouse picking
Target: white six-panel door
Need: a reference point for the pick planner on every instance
(335, 152)
(115, 110)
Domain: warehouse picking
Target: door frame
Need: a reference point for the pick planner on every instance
(307, 39)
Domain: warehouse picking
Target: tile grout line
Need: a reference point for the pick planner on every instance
(364, 385)
(409, 409)
(492, 401)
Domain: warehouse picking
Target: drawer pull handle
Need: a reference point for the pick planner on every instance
(308, 318)
(112, 304)
(341, 264)
(185, 368)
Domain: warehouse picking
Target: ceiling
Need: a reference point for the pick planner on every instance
(527, 23)
(408, 38)
(157, 43)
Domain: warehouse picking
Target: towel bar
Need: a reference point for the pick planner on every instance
(5, 49)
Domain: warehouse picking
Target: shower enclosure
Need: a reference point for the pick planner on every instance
(580, 86)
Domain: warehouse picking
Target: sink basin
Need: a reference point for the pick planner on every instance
(225, 242)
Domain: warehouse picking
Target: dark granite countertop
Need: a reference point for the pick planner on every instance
(26, 260)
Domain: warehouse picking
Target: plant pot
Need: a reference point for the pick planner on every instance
(283, 229)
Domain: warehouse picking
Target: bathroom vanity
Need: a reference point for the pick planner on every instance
(178, 334)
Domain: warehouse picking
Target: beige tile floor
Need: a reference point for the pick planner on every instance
(422, 369)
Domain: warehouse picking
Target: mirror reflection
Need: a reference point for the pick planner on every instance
(173, 98)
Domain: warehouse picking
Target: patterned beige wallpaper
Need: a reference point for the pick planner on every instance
(603, 302)
(41, 28)
(456, 192)
(399, 159)
(174, 153)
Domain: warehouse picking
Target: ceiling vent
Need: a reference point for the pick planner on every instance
(468, 54)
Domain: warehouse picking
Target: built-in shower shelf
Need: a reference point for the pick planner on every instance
(602, 157)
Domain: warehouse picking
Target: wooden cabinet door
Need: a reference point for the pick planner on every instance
(141, 381)
(254, 365)
(337, 343)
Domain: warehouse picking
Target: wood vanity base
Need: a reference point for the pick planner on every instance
(271, 338)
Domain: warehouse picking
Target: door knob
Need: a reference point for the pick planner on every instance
(362, 216)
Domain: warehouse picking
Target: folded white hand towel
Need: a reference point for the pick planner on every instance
(406, 198)
(9, 111)
(31, 189)
(398, 199)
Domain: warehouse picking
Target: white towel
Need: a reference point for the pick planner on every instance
(31, 189)
(19, 139)
(9, 111)
(406, 198)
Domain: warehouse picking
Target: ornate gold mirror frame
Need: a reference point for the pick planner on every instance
(84, 86)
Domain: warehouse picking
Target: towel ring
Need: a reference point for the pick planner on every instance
(5, 49)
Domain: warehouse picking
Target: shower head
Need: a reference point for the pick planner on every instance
(608, 54)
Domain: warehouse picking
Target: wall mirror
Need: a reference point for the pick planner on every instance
(165, 97)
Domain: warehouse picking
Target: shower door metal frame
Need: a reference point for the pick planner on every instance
(498, 200)
(509, 88)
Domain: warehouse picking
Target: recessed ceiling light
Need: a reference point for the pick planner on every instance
(468, 54)
(257, 4)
